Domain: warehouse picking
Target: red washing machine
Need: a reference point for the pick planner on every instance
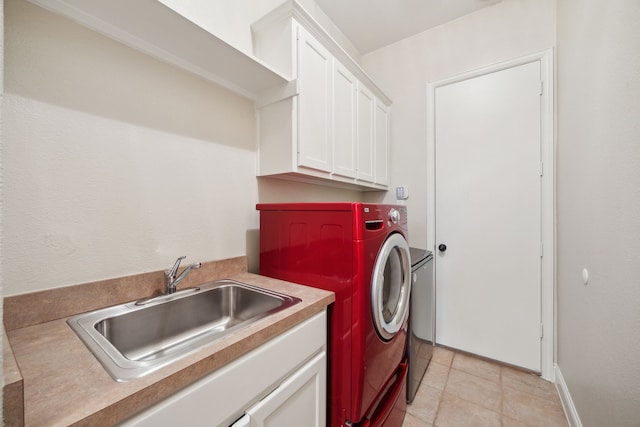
(360, 252)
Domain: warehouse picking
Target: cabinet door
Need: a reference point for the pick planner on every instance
(344, 121)
(381, 137)
(314, 106)
(300, 400)
(365, 135)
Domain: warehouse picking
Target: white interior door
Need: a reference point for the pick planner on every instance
(488, 215)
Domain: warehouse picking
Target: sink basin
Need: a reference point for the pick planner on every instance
(134, 339)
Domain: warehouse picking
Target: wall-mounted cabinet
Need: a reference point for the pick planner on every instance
(373, 138)
(366, 153)
(381, 141)
(329, 125)
(315, 65)
(344, 117)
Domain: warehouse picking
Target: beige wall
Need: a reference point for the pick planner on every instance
(116, 163)
(598, 208)
(507, 30)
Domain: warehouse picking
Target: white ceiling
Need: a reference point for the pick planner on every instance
(372, 24)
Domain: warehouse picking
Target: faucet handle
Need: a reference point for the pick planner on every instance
(174, 269)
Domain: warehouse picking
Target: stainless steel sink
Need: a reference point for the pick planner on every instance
(134, 339)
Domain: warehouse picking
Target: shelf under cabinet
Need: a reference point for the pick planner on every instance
(155, 29)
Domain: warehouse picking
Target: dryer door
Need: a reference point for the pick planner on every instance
(391, 286)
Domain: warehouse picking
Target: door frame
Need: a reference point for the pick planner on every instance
(547, 132)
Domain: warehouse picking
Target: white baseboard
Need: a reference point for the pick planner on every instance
(565, 397)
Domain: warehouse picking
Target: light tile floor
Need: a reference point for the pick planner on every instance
(459, 390)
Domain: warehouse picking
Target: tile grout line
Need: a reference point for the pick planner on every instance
(473, 374)
(449, 367)
(476, 403)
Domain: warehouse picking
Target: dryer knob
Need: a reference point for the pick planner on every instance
(394, 216)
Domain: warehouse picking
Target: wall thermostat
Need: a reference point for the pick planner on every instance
(402, 193)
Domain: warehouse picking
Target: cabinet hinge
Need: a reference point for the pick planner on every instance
(541, 249)
(541, 330)
(541, 87)
(541, 168)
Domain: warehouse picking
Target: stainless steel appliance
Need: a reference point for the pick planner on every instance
(421, 319)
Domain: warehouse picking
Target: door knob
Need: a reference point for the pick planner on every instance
(442, 247)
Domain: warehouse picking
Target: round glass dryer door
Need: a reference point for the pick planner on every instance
(391, 286)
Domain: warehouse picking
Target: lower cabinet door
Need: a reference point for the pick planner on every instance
(300, 400)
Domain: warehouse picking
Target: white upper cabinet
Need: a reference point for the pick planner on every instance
(381, 141)
(366, 146)
(344, 122)
(322, 126)
(314, 108)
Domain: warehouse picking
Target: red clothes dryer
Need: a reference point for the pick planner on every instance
(360, 252)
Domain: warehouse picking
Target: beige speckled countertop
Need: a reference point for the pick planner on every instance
(64, 384)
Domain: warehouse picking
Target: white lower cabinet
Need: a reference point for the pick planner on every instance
(300, 400)
(282, 382)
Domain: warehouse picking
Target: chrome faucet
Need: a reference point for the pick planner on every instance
(172, 280)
